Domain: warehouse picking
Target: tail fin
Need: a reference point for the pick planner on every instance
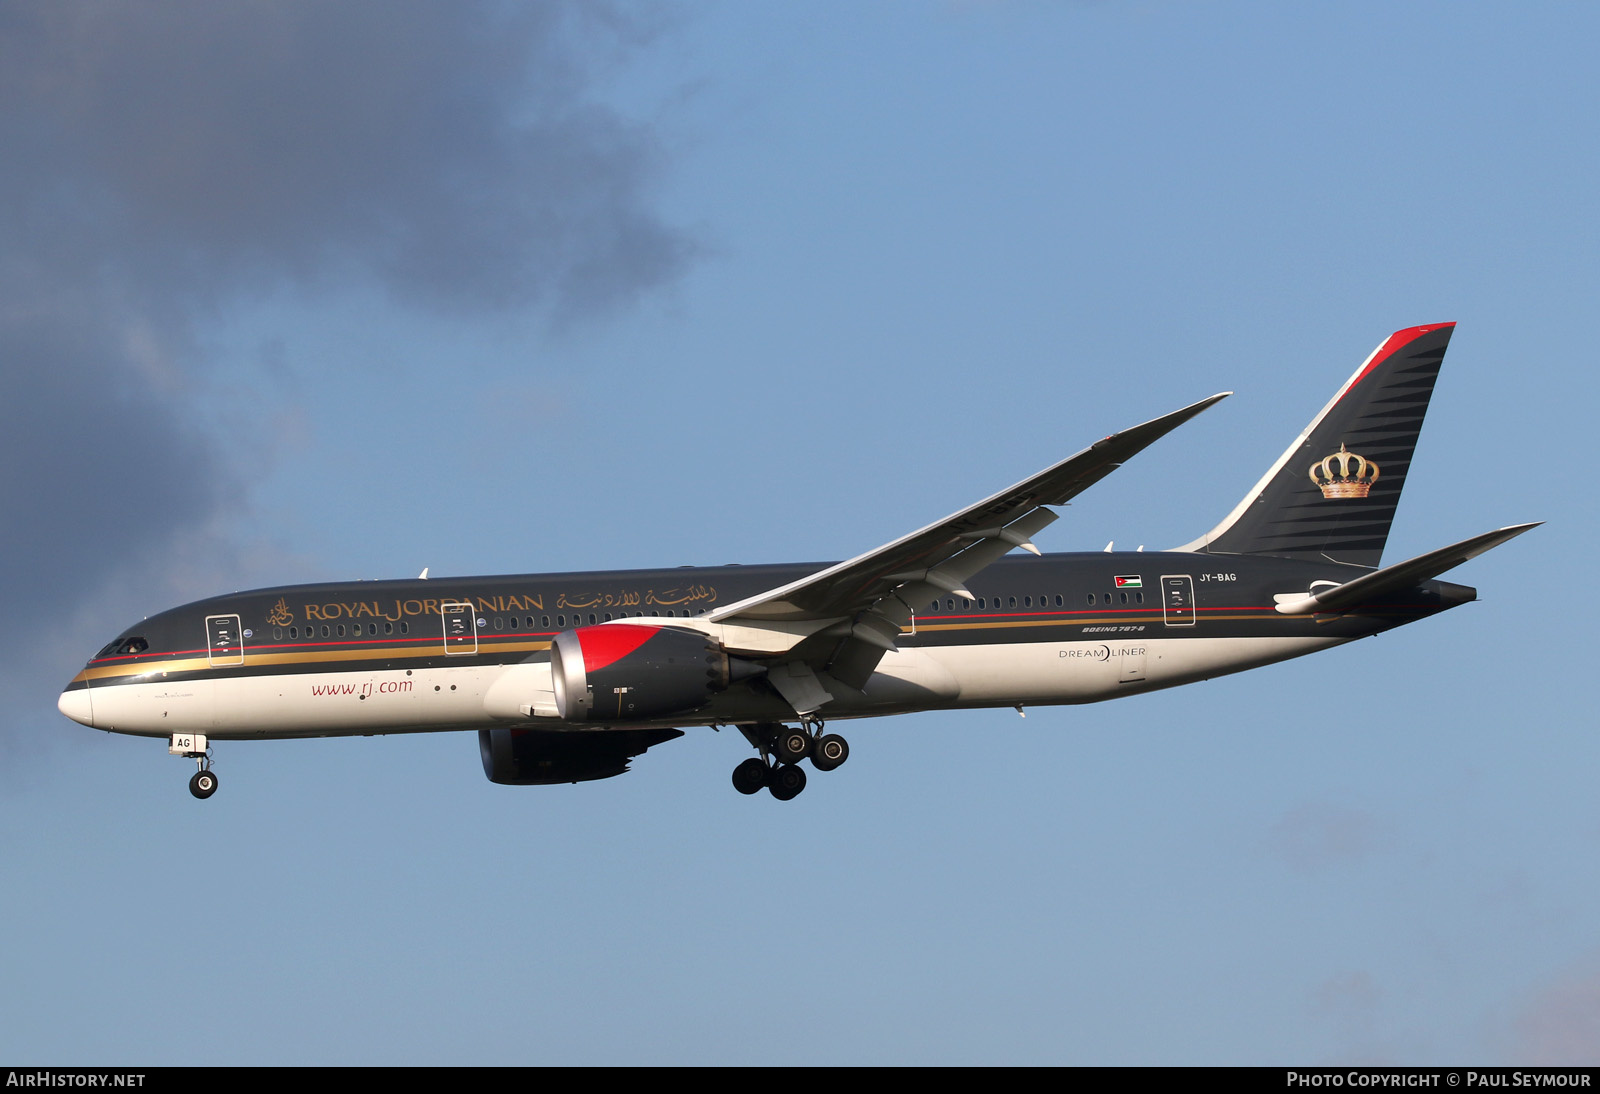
(1333, 494)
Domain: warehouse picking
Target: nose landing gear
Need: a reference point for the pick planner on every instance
(195, 747)
(782, 748)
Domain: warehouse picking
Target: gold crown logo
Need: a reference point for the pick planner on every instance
(280, 615)
(1354, 479)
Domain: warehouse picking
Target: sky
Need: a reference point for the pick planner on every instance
(324, 291)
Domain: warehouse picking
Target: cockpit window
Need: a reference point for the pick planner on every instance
(124, 647)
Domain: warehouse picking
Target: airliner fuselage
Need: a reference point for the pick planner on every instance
(568, 677)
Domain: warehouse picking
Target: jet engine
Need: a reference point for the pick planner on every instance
(534, 757)
(620, 673)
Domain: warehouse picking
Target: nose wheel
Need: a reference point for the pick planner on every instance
(777, 770)
(204, 784)
(194, 746)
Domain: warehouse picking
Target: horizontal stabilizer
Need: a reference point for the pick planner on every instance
(1402, 575)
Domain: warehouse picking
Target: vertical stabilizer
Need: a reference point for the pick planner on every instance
(1333, 494)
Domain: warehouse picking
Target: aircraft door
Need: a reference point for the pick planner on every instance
(224, 644)
(1177, 600)
(460, 627)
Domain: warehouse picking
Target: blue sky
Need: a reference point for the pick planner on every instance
(323, 292)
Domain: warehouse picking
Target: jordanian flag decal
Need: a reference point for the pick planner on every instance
(1129, 581)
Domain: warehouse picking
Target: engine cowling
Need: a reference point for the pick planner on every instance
(534, 757)
(632, 672)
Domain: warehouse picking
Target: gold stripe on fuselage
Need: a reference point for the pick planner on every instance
(390, 653)
(333, 657)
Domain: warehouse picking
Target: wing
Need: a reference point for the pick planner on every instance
(862, 604)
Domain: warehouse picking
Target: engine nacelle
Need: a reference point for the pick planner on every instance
(536, 757)
(631, 672)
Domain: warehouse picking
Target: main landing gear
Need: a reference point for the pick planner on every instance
(194, 747)
(782, 748)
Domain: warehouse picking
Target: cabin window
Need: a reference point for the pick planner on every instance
(1138, 598)
(325, 631)
(1059, 601)
(1012, 603)
(591, 618)
(1124, 597)
(1108, 598)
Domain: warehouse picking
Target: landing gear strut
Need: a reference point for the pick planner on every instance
(782, 749)
(194, 747)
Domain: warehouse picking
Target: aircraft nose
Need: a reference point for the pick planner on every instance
(77, 705)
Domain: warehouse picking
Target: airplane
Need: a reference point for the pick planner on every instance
(570, 677)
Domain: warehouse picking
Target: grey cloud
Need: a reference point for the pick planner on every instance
(453, 151)
(1324, 834)
(164, 159)
(1561, 1025)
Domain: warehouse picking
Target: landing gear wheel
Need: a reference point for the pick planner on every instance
(829, 752)
(750, 777)
(203, 785)
(786, 782)
(792, 745)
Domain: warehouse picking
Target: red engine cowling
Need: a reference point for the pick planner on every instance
(632, 672)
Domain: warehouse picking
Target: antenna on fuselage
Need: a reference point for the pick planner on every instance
(423, 576)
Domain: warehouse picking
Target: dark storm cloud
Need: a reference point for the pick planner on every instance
(452, 150)
(160, 160)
